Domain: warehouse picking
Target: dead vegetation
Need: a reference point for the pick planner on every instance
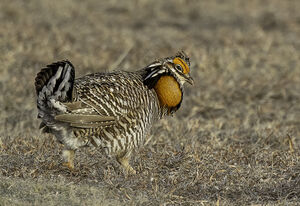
(236, 139)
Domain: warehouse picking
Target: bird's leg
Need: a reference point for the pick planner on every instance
(68, 155)
(123, 159)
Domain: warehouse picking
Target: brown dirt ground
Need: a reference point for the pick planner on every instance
(235, 140)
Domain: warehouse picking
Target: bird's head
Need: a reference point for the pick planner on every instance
(177, 66)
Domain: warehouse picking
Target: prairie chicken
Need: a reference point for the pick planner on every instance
(113, 111)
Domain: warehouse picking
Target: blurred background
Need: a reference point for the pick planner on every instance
(236, 137)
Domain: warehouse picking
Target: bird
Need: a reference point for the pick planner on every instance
(113, 111)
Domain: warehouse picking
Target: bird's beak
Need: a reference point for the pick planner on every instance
(189, 79)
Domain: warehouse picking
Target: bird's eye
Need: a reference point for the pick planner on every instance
(179, 67)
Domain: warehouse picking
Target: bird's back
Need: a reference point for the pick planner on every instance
(115, 94)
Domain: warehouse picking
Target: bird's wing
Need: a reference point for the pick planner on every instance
(100, 101)
(81, 115)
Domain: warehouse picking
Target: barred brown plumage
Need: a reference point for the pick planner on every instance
(113, 111)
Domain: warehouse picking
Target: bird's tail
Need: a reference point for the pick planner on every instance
(54, 86)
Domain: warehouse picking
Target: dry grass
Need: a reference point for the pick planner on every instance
(235, 140)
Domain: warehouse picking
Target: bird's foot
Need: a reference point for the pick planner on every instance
(69, 165)
(124, 161)
(68, 156)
